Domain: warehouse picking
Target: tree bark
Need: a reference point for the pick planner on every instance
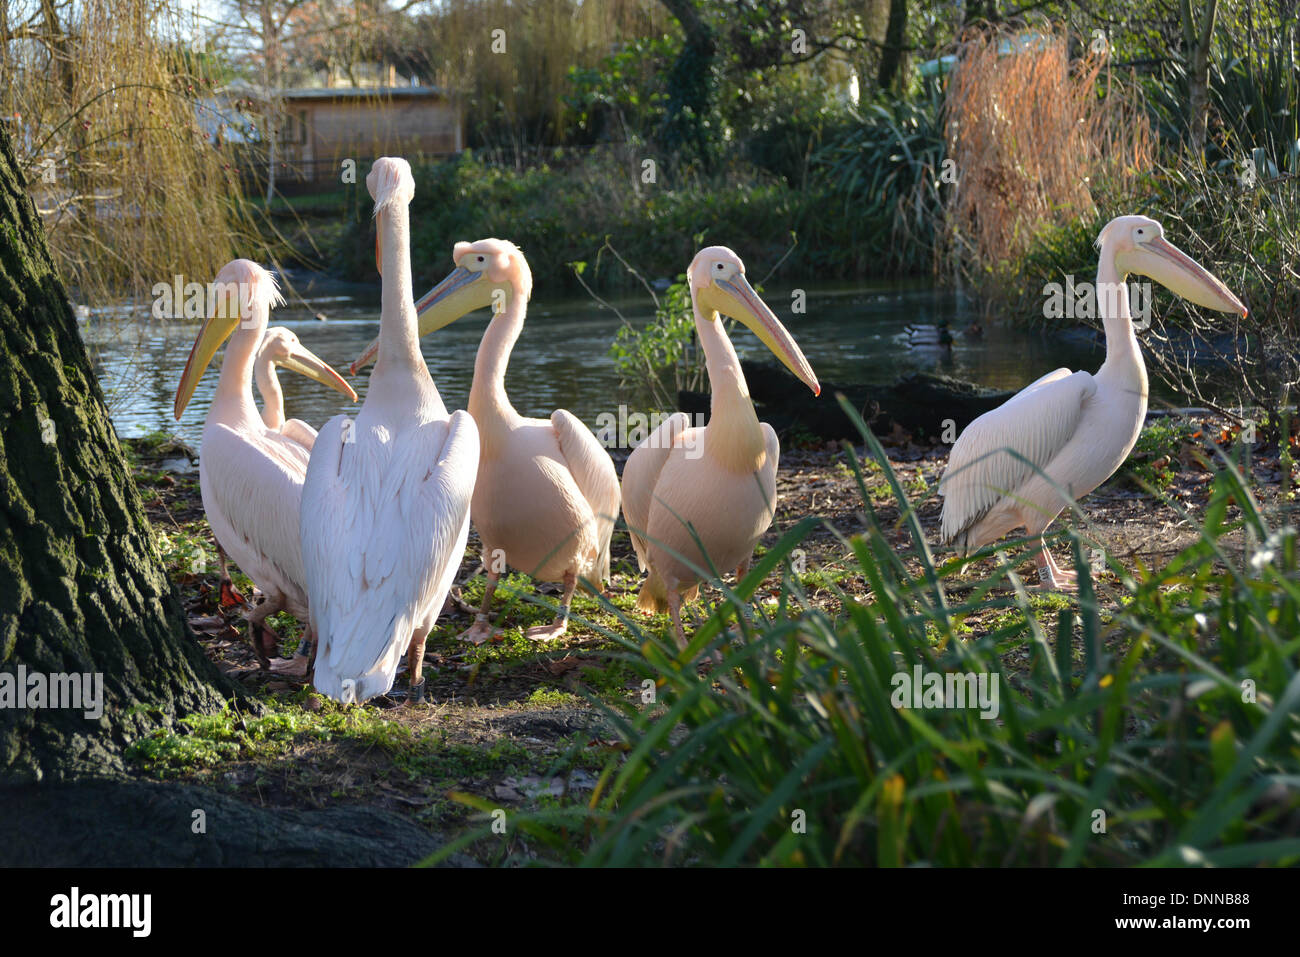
(1197, 37)
(891, 56)
(82, 587)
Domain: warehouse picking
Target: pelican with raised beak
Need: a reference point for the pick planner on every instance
(385, 508)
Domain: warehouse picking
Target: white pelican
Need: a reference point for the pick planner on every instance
(1072, 429)
(546, 498)
(251, 477)
(717, 482)
(385, 508)
(280, 347)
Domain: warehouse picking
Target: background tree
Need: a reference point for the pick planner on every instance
(112, 128)
(1198, 33)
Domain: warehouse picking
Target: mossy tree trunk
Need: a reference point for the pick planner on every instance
(82, 587)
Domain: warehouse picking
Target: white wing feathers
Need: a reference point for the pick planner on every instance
(383, 530)
(593, 472)
(1037, 423)
(641, 475)
(253, 485)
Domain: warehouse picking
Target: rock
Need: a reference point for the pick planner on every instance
(920, 403)
(177, 466)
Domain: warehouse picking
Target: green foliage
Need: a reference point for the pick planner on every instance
(1254, 90)
(883, 175)
(209, 741)
(1159, 440)
(1178, 719)
(184, 552)
(564, 213)
(621, 96)
(661, 358)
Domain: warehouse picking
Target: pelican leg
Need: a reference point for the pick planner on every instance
(553, 631)
(303, 659)
(415, 668)
(742, 569)
(675, 613)
(482, 629)
(229, 594)
(1062, 574)
(311, 661)
(1050, 576)
(263, 638)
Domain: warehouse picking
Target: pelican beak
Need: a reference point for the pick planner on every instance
(379, 250)
(1185, 277)
(741, 302)
(304, 362)
(216, 330)
(460, 293)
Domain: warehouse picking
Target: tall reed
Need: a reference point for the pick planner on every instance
(1036, 137)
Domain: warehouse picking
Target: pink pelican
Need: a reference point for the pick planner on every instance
(1072, 431)
(385, 507)
(717, 482)
(546, 498)
(251, 477)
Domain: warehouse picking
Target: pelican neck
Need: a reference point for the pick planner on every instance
(734, 437)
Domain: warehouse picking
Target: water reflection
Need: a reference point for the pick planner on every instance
(849, 334)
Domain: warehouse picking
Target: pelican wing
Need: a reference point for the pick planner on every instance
(300, 432)
(252, 484)
(593, 472)
(385, 522)
(641, 475)
(1037, 423)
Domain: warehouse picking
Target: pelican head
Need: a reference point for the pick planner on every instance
(490, 272)
(389, 182)
(242, 294)
(282, 348)
(1139, 246)
(718, 285)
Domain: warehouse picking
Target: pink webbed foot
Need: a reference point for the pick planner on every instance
(478, 632)
(547, 632)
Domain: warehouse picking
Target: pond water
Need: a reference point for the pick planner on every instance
(854, 334)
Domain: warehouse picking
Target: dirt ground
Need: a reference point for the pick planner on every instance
(498, 716)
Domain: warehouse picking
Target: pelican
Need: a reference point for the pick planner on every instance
(251, 477)
(385, 506)
(1073, 430)
(546, 497)
(716, 482)
(280, 347)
